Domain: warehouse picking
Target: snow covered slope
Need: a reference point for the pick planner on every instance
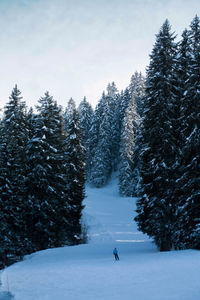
(89, 272)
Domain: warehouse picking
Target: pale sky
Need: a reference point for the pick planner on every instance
(74, 48)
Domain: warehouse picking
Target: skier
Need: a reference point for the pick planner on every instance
(115, 252)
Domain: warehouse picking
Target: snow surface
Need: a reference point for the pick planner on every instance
(89, 272)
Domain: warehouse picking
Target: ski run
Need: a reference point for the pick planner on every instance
(88, 272)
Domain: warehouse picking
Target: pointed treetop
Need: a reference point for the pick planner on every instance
(15, 88)
(195, 32)
(112, 89)
(47, 94)
(70, 109)
(166, 24)
(165, 30)
(47, 98)
(103, 94)
(163, 46)
(15, 93)
(136, 75)
(185, 33)
(195, 22)
(71, 103)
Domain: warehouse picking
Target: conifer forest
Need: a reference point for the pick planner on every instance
(149, 133)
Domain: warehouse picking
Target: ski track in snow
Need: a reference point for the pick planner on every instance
(89, 272)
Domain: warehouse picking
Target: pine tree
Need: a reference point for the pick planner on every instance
(46, 178)
(180, 83)
(123, 105)
(102, 160)
(75, 166)
(30, 120)
(94, 134)
(14, 137)
(112, 90)
(127, 103)
(116, 132)
(128, 176)
(85, 115)
(137, 91)
(102, 167)
(156, 205)
(113, 112)
(71, 105)
(189, 181)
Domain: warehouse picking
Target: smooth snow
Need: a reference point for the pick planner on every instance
(89, 272)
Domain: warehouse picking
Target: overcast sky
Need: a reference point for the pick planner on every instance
(73, 48)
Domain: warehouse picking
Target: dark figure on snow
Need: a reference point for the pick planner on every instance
(115, 252)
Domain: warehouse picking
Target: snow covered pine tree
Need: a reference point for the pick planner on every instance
(14, 137)
(75, 168)
(85, 116)
(46, 178)
(189, 220)
(156, 205)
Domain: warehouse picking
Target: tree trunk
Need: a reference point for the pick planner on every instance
(165, 244)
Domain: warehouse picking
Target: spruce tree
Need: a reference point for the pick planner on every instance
(14, 137)
(128, 176)
(116, 132)
(112, 90)
(85, 115)
(94, 134)
(75, 167)
(180, 83)
(102, 160)
(125, 100)
(137, 91)
(46, 177)
(157, 205)
(71, 105)
(130, 185)
(189, 181)
(113, 99)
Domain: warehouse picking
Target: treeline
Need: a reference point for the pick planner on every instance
(46, 157)
(42, 176)
(110, 135)
(149, 133)
(169, 141)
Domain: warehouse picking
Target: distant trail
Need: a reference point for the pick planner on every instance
(110, 218)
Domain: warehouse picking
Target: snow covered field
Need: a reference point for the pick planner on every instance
(89, 272)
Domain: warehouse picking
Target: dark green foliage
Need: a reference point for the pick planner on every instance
(75, 165)
(137, 91)
(158, 155)
(101, 136)
(94, 134)
(128, 171)
(47, 178)
(85, 115)
(14, 137)
(71, 105)
(188, 234)
(116, 132)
